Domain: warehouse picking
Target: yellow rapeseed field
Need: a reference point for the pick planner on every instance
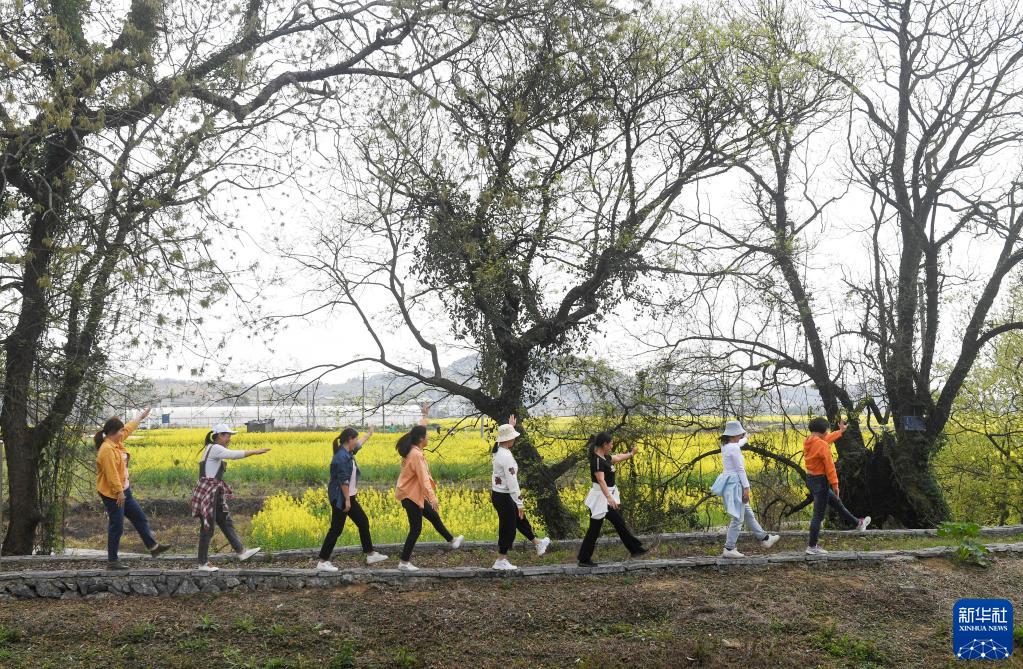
(460, 461)
(289, 522)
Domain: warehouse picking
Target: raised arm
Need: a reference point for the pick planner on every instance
(625, 456)
(832, 437)
(362, 442)
(133, 425)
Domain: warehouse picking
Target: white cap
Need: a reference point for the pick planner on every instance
(222, 428)
(506, 433)
(733, 428)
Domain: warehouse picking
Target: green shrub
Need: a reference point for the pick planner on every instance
(968, 549)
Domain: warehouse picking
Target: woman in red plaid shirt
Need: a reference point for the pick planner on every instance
(209, 499)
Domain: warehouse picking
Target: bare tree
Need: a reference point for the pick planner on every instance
(518, 199)
(118, 123)
(935, 114)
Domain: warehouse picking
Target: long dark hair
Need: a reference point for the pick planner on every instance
(410, 439)
(595, 442)
(725, 439)
(110, 428)
(346, 434)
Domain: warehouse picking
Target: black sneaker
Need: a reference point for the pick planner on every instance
(587, 563)
(116, 566)
(159, 550)
(641, 552)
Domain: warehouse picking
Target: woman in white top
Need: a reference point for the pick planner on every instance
(733, 486)
(209, 499)
(506, 497)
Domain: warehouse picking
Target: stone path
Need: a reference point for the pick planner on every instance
(99, 584)
(93, 555)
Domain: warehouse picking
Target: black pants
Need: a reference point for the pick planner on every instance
(415, 525)
(221, 519)
(823, 496)
(508, 521)
(590, 540)
(337, 525)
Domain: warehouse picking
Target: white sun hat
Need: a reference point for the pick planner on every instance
(733, 428)
(222, 428)
(506, 433)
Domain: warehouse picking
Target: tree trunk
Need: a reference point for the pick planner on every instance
(23, 486)
(894, 481)
(542, 482)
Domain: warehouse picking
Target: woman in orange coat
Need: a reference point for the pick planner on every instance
(114, 488)
(417, 492)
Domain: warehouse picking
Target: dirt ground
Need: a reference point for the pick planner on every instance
(791, 616)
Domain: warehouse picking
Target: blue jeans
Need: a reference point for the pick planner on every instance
(115, 527)
(823, 495)
(735, 526)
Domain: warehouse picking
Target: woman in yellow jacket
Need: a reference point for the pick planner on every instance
(114, 488)
(416, 490)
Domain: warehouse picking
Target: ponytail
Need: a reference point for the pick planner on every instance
(206, 441)
(410, 439)
(110, 428)
(497, 445)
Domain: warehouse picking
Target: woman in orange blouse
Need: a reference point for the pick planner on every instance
(114, 488)
(417, 492)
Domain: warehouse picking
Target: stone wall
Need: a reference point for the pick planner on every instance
(98, 584)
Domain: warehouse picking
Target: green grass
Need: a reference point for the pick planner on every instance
(855, 651)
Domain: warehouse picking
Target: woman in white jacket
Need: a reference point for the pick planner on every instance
(506, 497)
(733, 486)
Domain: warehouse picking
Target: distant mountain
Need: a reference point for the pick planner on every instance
(385, 385)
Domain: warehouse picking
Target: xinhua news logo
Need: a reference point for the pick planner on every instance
(982, 629)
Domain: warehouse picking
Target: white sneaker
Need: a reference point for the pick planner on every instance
(771, 540)
(245, 555)
(862, 525)
(815, 550)
(456, 543)
(407, 566)
(208, 568)
(375, 557)
(542, 547)
(325, 565)
(731, 553)
(503, 565)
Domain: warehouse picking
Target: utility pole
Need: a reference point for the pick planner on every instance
(362, 399)
(383, 409)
